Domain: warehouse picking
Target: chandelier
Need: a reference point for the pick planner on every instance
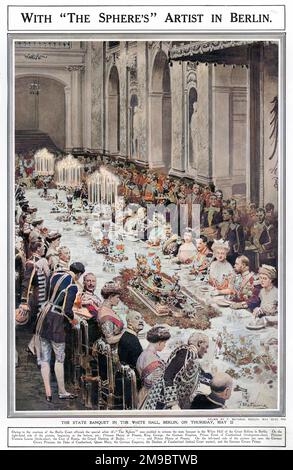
(34, 87)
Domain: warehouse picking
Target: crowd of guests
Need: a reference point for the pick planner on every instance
(49, 290)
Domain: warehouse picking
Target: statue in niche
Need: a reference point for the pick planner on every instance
(135, 131)
(193, 135)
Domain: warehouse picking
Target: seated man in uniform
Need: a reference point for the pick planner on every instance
(129, 347)
(244, 287)
(88, 300)
(129, 350)
(171, 244)
(221, 389)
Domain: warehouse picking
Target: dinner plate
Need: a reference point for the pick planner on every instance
(223, 303)
(253, 326)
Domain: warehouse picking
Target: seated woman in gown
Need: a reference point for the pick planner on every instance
(187, 251)
(267, 311)
(157, 233)
(149, 364)
(221, 274)
(109, 322)
(203, 257)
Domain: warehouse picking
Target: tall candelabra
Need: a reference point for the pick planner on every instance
(102, 187)
(44, 163)
(69, 172)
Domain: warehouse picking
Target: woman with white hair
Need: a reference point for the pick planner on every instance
(221, 271)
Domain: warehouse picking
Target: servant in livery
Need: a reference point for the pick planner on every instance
(62, 263)
(52, 255)
(233, 233)
(19, 269)
(181, 377)
(35, 280)
(264, 238)
(36, 233)
(51, 326)
(149, 364)
(212, 215)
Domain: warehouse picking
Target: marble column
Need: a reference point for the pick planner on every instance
(178, 119)
(87, 99)
(97, 116)
(256, 123)
(204, 109)
(76, 114)
(143, 86)
(155, 146)
(123, 96)
(68, 134)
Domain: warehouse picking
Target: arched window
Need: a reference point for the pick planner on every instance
(161, 112)
(113, 112)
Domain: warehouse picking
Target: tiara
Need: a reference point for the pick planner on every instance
(221, 244)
